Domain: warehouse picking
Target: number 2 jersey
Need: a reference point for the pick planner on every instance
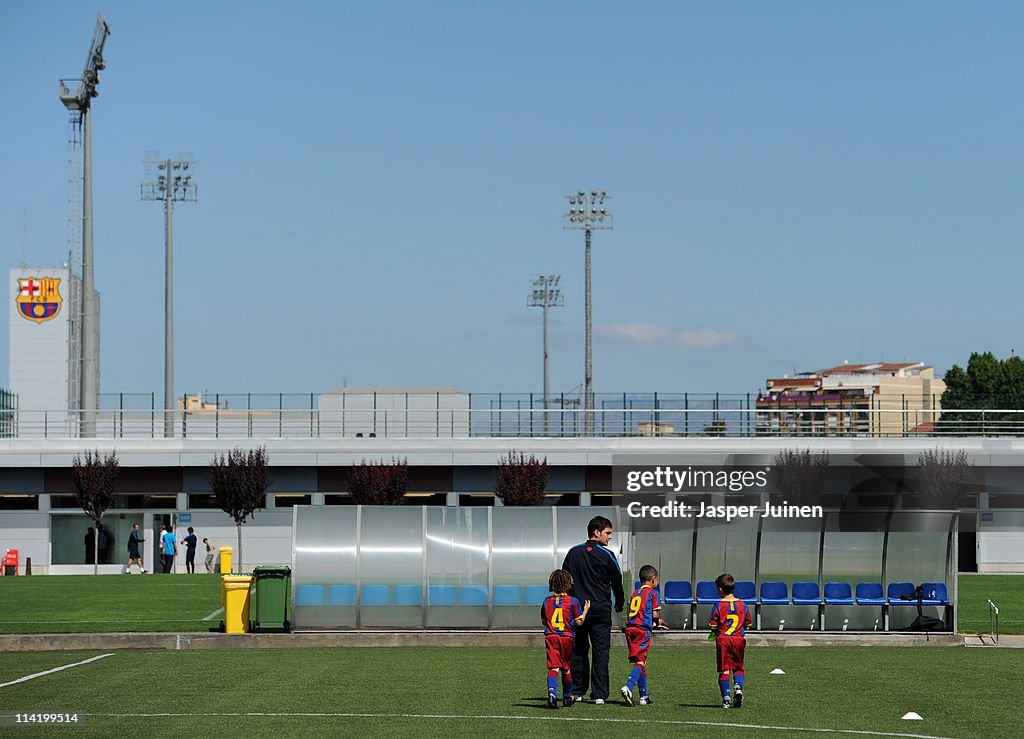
(559, 614)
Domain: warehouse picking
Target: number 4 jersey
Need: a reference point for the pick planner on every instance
(559, 614)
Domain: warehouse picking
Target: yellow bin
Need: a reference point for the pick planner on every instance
(234, 594)
(226, 553)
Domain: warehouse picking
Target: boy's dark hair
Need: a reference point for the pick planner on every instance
(191, 530)
(560, 581)
(597, 523)
(726, 583)
(647, 573)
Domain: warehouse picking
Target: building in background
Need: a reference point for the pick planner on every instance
(883, 399)
(44, 347)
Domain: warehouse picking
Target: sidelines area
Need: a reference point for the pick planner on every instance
(188, 603)
(446, 691)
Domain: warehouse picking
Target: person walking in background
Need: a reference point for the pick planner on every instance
(90, 544)
(209, 555)
(134, 551)
(160, 546)
(105, 542)
(170, 547)
(190, 551)
(597, 577)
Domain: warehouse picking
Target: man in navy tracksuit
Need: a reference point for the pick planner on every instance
(597, 577)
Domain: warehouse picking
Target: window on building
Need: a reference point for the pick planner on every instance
(426, 498)
(338, 499)
(287, 500)
(476, 499)
(15, 502)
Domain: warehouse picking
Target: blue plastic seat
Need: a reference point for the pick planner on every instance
(507, 595)
(408, 595)
(838, 594)
(935, 594)
(374, 595)
(342, 595)
(637, 584)
(774, 594)
(746, 592)
(707, 592)
(870, 594)
(441, 595)
(806, 593)
(897, 590)
(678, 591)
(309, 595)
(534, 595)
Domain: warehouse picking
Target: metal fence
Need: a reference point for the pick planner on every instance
(667, 421)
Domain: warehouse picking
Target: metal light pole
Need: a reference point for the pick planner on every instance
(587, 213)
(172, 183)
(546, 295)
(79, 102)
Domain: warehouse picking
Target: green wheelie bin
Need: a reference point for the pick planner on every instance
(271, 593)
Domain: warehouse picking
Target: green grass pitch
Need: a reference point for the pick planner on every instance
(479, 691)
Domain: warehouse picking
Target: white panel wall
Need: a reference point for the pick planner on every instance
(38, 355)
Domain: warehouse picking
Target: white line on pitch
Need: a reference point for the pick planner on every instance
(55, 669)
(215, 613)
(262, 714)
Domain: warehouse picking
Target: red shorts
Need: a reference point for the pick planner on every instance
(639, 641)
(559, 649)
(729, 652)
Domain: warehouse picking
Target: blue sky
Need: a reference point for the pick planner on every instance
(793, 184)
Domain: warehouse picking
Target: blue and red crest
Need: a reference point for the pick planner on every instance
(39, 298)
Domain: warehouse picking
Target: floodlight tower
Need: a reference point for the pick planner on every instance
(172, 183)
(546, 295)
(587, 213)
(79, 103)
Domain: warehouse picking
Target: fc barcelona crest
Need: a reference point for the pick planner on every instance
(39, 298)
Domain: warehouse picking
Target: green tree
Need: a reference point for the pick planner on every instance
(988, 384)
(239, 481)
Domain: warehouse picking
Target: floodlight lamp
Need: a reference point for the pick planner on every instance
(185, 165)
(580, 195)
(177, 165)
(162, 166)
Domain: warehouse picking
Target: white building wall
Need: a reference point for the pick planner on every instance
(38, 355)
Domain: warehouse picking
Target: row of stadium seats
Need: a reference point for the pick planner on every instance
(412, 595)
(680, 592)
(808, 593)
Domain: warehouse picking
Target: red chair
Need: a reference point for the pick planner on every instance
(10, 563)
